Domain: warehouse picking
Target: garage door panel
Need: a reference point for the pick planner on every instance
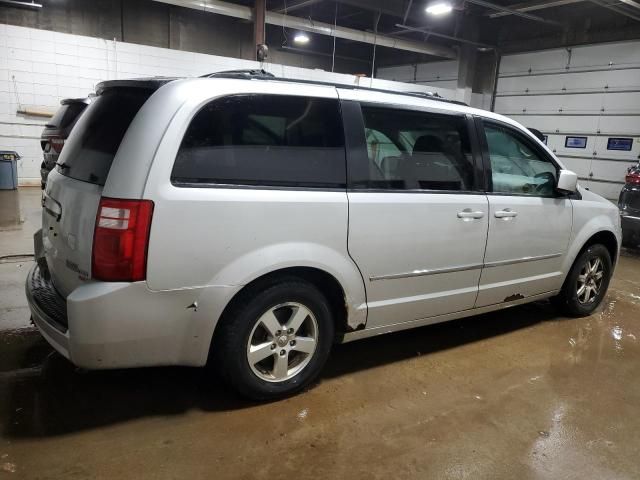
(551, 123)
(614, 55)
(608, 170)
(437, 71)
(571, 82)
(627, 125)
(610, 191)
(591, 91)
(622, 102)
(577, 165)
(619, 54)
(600, 147)
(557, 145)
(450, 84)
(536, 61)
(612, 102)
(618, 126)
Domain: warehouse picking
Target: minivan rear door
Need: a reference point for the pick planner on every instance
(72, 195)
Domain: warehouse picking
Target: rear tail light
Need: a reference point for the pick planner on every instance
(632, 178)
(121, 240)
(56, 144)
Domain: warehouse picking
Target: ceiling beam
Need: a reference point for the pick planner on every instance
(406, 12)
(289, 21)
(616, 9)
(426, 30)
(533, 6)
(297, 6)
(307, 51)
(528, 16)
(631, 3)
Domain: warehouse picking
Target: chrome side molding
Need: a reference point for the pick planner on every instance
(462, 268)
(421, 273)
(501, 263)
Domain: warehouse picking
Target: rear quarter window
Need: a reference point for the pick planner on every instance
(66, 115)
(264, 140)
(94, 141)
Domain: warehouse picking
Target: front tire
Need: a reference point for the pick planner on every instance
(274, 340)
(587, 282)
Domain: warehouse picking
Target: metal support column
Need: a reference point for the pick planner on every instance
(259, 14)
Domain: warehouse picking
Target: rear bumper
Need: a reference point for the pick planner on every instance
(44, 317)
(123, 325)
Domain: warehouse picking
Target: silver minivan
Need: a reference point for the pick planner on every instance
(251, 222)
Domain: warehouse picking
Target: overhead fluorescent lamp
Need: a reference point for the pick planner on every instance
(439, 8)
(301, 38)
(22, 4)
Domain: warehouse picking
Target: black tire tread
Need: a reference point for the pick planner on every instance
(566, 300)
(230, 332)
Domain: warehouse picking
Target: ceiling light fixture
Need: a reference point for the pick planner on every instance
(439, 8)
(18, 3)
(301, 38)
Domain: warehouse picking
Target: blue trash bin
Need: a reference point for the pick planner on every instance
(8, 170)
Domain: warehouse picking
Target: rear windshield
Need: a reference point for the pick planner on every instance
(93, 144)
(66, 115)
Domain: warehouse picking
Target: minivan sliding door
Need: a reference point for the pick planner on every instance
(417, 221)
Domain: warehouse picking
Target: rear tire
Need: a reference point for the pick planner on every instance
(587, 282)
(274, 339)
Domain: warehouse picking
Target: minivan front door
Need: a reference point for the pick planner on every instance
(417, 226)
(529, 224)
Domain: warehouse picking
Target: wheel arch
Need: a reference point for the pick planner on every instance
(606, 238)
(601, 236)
(324, 281)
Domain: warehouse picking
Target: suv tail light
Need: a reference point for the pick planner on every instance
(632, 178)
(57, 144)
(121, 240)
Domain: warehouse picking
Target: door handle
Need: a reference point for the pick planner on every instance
(506, 213)
(468, 213)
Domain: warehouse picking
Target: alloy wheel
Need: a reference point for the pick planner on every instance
(282, 342)
(590, 280)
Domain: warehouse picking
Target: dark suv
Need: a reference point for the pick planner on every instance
(57, 130)
(629, 205)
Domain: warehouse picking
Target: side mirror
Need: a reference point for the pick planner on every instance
(567, 181)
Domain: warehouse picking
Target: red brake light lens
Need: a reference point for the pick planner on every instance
(121, 240)
(56, 144)
(632, 178)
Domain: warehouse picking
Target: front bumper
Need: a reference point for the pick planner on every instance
(630, 229)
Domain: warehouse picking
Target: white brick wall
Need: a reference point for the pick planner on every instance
(43, 67)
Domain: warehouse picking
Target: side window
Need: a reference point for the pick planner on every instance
(412, 150)
(515, 166)
(264, 140)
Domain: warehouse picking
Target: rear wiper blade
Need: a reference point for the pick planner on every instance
(62, 165)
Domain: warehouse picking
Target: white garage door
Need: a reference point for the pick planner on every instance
(586, 100)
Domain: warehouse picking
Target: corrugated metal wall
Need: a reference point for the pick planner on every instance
(589, 91)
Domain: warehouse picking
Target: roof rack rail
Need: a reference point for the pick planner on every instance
(259, 74)
(247, 73)
(427, 94)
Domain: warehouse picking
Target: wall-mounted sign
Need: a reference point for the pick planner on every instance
(575, 142)
(622, 144)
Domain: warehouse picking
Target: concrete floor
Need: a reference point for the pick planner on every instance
(521, 394)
